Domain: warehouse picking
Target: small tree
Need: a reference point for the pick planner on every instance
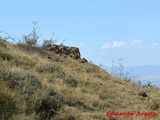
(121, 68)
(49, 42)
(33, 37)
(118, 70)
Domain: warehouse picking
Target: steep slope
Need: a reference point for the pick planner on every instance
(35, 87)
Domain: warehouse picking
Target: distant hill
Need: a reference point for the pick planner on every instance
(145, 70)
(56, 84)
(147, 73)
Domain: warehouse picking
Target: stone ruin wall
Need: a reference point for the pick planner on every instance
(61, 49)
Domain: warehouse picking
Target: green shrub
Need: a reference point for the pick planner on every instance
(23, 61)
(24, 81)
(49, 42)
(7, 107)
(119, 72)
(32, 38)
(5, 55)
(53, 69)
(3, 44)
(3, 71)
(46, 104)
(69, 101)
(154, 106)
(95, 104)
(70, 81)
(143, 94)
(47, 68)
(92, 69)
(71, 117)
(103, 96)
(17, 60)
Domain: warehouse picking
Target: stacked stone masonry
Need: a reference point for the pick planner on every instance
(61, 49)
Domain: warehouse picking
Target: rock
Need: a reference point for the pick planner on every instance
(83, 60)
(155, 106)
(61, 49)
(143, 94)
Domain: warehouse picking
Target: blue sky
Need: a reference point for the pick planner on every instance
(103, 29)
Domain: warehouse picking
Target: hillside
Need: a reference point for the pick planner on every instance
(37, 84)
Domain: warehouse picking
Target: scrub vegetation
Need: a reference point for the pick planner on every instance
(34, 87)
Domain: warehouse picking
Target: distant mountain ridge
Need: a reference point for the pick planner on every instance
(146, 73)
(145, 70)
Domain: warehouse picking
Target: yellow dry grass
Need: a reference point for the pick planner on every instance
(86, 90)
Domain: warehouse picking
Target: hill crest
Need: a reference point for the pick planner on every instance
(64, 88)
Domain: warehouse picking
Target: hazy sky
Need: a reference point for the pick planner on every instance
(103, 29)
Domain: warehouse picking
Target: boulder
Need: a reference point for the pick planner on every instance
(83, 60)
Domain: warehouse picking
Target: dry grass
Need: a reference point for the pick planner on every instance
(41, 88)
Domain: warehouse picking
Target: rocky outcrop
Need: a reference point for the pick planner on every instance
(83, 60)
(61, 49)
